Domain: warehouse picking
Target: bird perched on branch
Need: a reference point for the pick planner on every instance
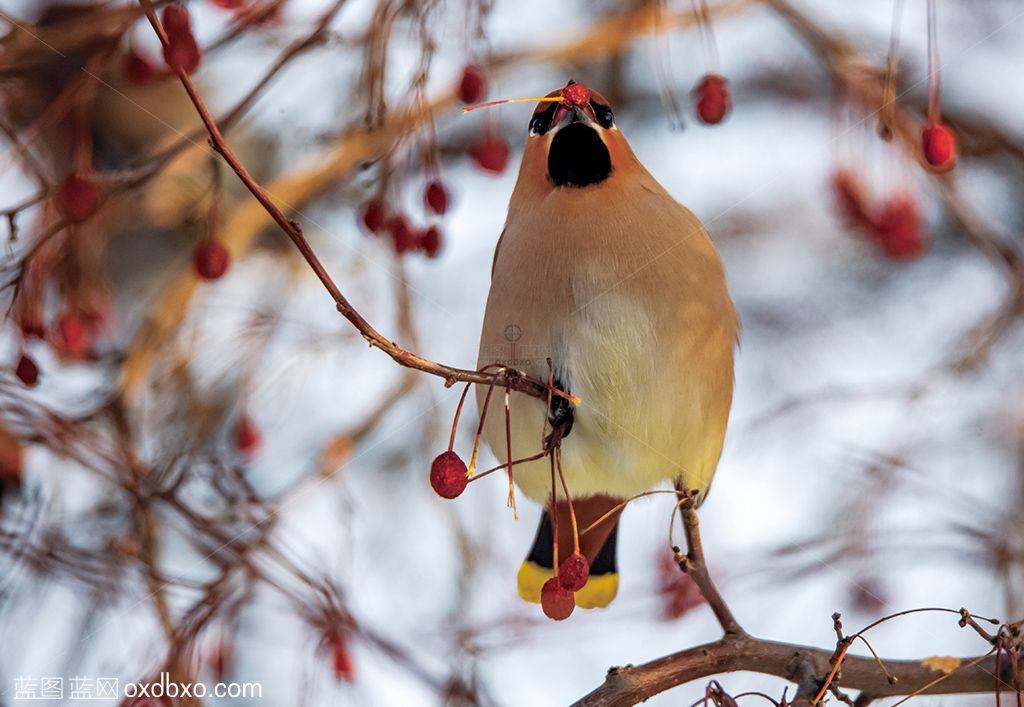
(602, 272)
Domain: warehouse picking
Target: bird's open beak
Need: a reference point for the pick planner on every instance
(577, 114)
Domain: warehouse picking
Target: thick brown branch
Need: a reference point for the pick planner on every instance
(630, 685)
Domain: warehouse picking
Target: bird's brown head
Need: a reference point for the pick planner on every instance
(573, 139)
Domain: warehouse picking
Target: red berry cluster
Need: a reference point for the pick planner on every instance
(897, 227)
(712, 99)
(181, 52)
(406, 237)
(557, 598)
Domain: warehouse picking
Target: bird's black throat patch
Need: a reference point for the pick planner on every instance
(578, 157)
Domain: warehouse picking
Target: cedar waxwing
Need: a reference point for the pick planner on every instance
(601, 271)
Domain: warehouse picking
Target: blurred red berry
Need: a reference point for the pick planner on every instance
(472, 85)
(73, 338)
(181, 51)
(137, 69)
(211, 260)
(556, 601)
(574, 572)
(851, 200)
(713, 99)
(899, 228)
(938, 143)
(490, 153)
(27, 371)
(679, 594)
(12, 460)
(448, 475)
(341, 660)
(247, 436)
(430, 241)
(868, 596)
(374, 215)
(436, 197)
(79, 196)
(402, 233)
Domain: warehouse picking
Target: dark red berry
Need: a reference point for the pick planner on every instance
(556, 601)
(430, 241)
(938, 143)
(490, 153)
(181, 51)
(27, 371)
(713, 100)
(574, 572)
(175, 19)
(899, 228)
(211, 260)
(576, 95)
(868, 596)
(74, 339)
(448, 475)
(341, 660)
(79, 195)
(436, 197)
(679, 593)
(402, 233)
(472, 85)
(374, 215)
(137, 69)
(247, 436)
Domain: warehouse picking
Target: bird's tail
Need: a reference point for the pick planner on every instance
(597, 545)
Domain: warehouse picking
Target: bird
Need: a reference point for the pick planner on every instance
(602, 282)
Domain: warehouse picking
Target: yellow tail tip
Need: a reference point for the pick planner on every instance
(599, 591)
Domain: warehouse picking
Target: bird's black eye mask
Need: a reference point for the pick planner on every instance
(578, 157)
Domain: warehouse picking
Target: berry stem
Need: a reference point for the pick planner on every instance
(622, 505)
(554, 519)
(499, 467)
(508, 450)
(458, 411)
(480, 428)
(892, 61)
(568, 500)
(934, 79)
(488, 104)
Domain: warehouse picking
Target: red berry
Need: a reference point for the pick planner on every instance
(939, 146)
(247, 436)
(79, 195)
(713, 100)
(176, 19)
(575, 94)
(679, 594)
(574, 572)
(74, 340)
(211, 260)
(899, 228)
(341, 660)
(402, 233)
(374, 215)
(868, 596)
(436, 197)
(137, 69)
(850, 198)
(472, 85)
(556, 601)
(490, 153)
(27, 371)
(181, 51)
(12, 460)
(430, 241)
(448, 475)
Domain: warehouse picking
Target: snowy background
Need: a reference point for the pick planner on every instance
(862, 472)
